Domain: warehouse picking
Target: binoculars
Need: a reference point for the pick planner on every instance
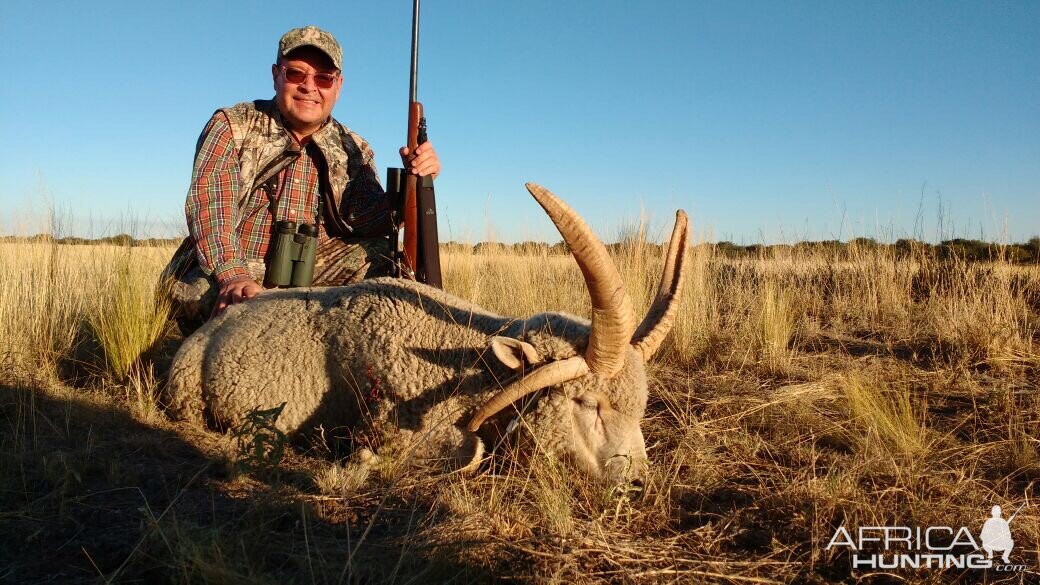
(292, 256)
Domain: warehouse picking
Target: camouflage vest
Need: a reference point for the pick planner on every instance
(265, 147)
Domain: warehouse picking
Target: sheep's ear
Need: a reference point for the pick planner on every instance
(513, 353)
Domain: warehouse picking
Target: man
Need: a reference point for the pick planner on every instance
(284, 159)
(996, 535)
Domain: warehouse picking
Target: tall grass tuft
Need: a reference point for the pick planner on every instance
(887, 415)
(129, 317)
(983, 314)
(549, 483)
(41, 304)
(775, 326)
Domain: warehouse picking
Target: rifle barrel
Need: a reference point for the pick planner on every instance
(413, 90)
(1016, 513)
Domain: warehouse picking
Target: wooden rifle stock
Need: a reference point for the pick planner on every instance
(411, 206)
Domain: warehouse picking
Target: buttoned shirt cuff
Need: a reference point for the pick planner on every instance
(233, 270)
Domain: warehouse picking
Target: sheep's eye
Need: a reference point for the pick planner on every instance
(587, 402)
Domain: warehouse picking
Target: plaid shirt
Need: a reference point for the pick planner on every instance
(213, 213)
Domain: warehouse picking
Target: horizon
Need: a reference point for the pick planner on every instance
(56, 226)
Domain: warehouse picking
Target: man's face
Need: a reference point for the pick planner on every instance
(304, 105)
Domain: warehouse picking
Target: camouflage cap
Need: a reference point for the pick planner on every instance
(311, 36)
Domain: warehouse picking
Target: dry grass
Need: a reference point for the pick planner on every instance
(130, 317)
(775, 326)
(798, 392)
(888, 416)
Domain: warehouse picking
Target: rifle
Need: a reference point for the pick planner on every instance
(1016, 513)
(417, 209)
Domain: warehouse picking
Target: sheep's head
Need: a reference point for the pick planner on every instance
(601, 396)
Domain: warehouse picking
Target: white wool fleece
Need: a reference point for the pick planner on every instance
(391, 353)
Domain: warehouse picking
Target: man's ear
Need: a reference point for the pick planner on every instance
(513, 353)
(275, 69)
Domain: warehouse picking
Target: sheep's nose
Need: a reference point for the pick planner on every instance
(627, 473)
(637, 486)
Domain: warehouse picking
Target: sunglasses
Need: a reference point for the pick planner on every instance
(298, 76)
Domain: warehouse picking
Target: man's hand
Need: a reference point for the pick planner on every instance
(235, 291)
(424, 162)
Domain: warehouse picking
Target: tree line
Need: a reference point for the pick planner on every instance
(958, 248)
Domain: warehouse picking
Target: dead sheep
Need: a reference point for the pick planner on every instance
(405, 364)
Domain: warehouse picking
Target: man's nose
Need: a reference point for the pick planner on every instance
(308, 84)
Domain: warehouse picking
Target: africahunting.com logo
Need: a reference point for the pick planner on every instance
(932, 547)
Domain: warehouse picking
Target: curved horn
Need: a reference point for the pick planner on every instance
(543, 377)
(661, 316)
(612, 314)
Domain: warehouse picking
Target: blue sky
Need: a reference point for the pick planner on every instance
(767, 121)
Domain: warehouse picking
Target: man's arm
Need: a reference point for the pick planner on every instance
(211, 208)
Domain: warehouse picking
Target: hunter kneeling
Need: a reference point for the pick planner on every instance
(282, 161)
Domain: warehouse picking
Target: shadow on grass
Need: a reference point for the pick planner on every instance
(923, 353)
(90, 494)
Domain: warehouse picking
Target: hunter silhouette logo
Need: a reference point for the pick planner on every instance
(996, 534)
(931, 547)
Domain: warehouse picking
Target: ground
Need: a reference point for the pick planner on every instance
(797, 395)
